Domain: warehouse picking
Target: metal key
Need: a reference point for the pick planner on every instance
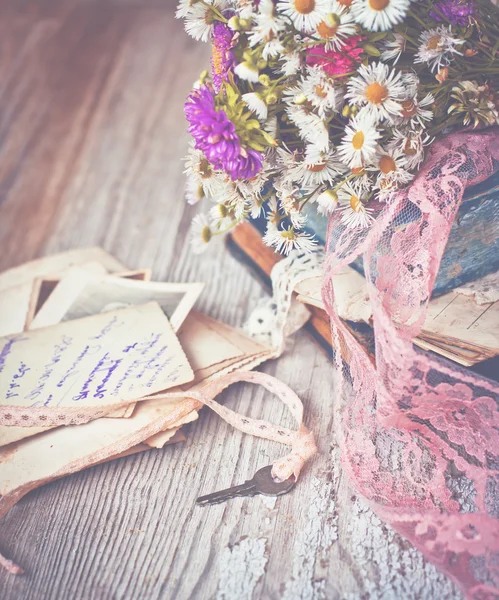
(261, 483)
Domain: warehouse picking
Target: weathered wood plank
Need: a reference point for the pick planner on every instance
(91, 137)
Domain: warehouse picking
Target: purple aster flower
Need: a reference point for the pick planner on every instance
(215, 135)
(222, 57)
(457, 12)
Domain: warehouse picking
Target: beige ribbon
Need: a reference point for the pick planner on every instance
(301, 440)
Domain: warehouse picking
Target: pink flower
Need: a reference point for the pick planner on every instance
(337, 63)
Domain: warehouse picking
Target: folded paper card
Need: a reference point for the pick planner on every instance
(83, 369)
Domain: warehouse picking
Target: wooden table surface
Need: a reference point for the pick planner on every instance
(91, 140)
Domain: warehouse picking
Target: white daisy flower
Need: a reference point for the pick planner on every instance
(183, 8)
(319, 167)
(289, 164)
(201, 233)
(199, 19)
(411, 84)
(257, 104)
(272, 49)
(273, 214)
(290, 204)
(337, 25)
(305, 14)
(256, 208)
(411, 144)
(194, 191)
(322, 91)
(268, 24)
(391, 166)
(244, 8)
(436, 47)
(414, 112)
(201, 172)
(287, 239)
(223, 217)
(271, 126)
(327, 202)
(311, 127)
(353, 200)
(247, 71)
(378, 90)
(290, 63)
(379, 15)
(358, 147)
(393, 48)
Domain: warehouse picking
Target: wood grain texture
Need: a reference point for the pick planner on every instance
(91, 138)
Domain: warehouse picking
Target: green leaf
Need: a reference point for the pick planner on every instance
(371, 50)
(256, 146)
(378, 36)
(268, 138)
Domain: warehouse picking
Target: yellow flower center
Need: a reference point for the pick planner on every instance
(209, 17)
(206, 234)
(358, 140)
(387, 164)
(379, 4)
(409, 109)
(355, 203)
(376, 93)
(408, 149)
(434, 42)
(345, 2)
(319, 90)
(316, 168)
(204, 168)
(288, 234)
(329, 27)
(304, 7)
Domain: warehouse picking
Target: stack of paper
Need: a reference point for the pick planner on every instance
(456, 325)
(88, 347)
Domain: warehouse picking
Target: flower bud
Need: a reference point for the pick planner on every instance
(300, 99)
(234, 23)
(272, 98)
(441, 76)
(264, 80)
(244, 24)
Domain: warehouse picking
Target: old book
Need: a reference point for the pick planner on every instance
(456, 326)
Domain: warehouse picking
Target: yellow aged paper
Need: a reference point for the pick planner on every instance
(16, 284)
(80, 294)
(57, 263)
(34, 461)
(98, 362)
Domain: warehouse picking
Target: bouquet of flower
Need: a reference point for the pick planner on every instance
(328, 101)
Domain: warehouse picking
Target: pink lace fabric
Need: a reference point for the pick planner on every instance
(419, 435)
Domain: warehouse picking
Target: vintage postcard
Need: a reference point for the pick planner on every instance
(44, 286)
(82, 294)
(34, 461)
(16, 284)
(86, 365)
(58, 264)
